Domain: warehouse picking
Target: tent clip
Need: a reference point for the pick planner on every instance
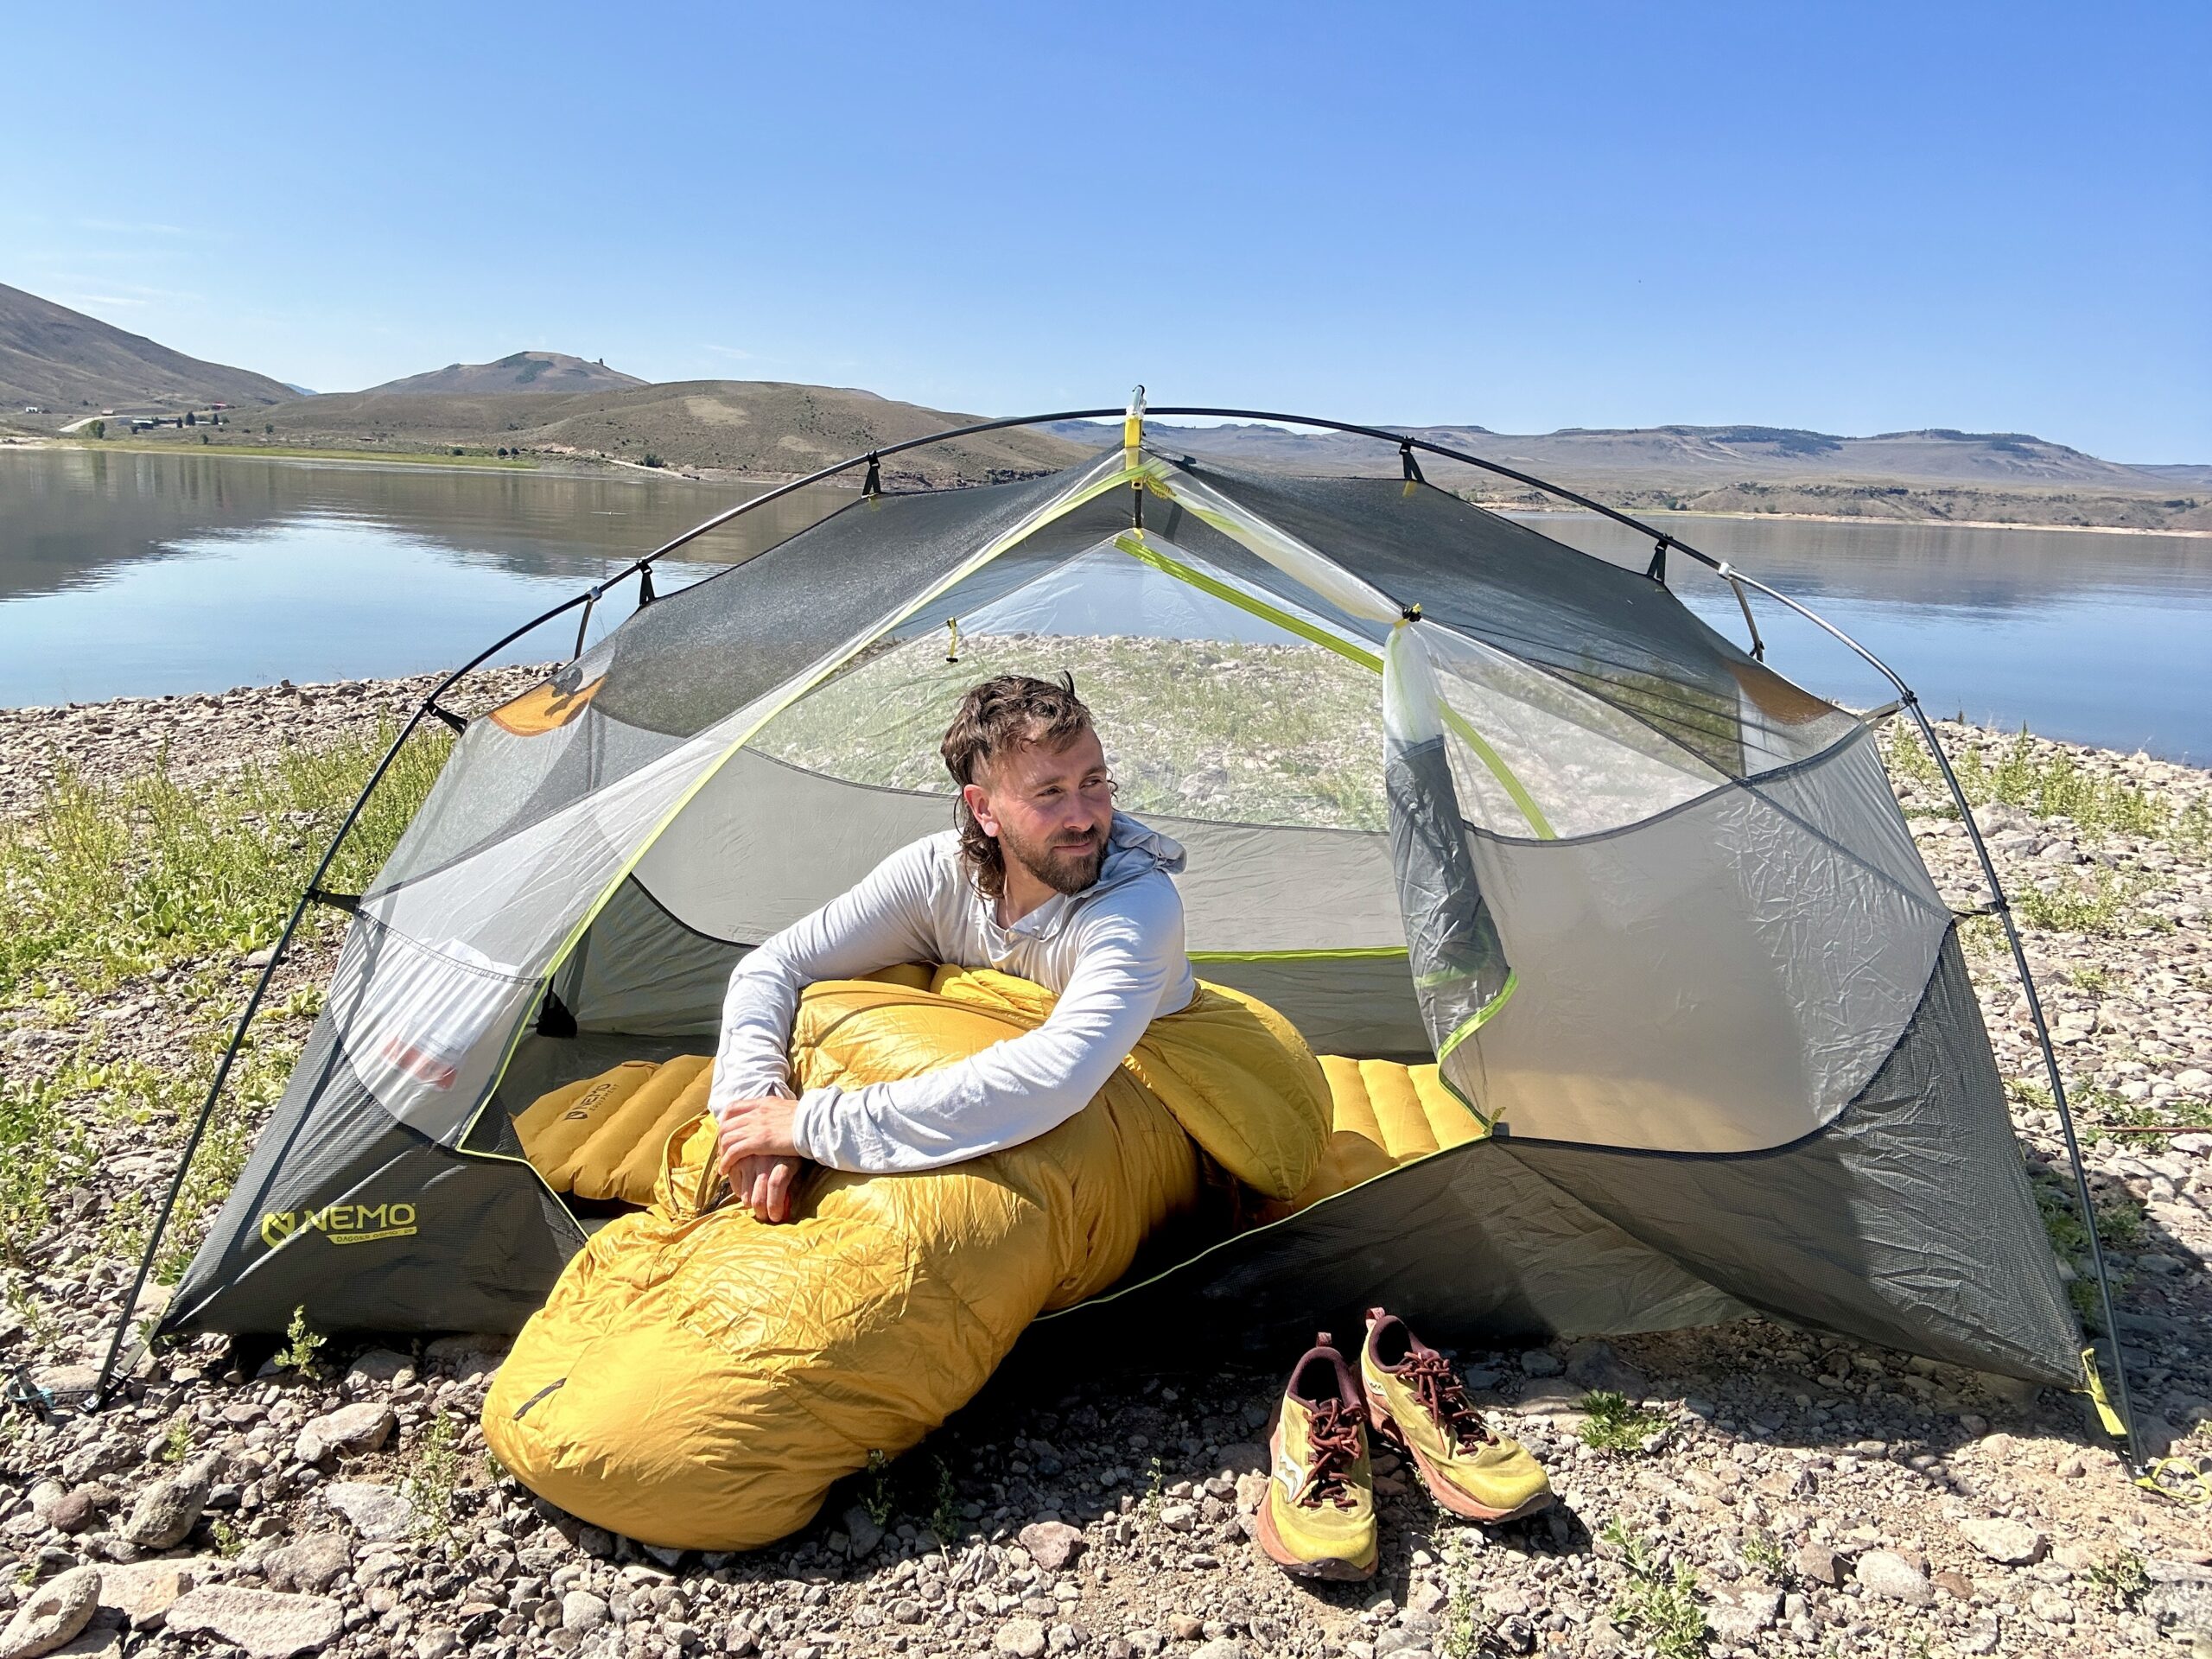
(645, 594)
(1658, 568)
(348, 902)
(872, 485)
(1410, 613)
(952, 645)
(1413, 467)
(459, 723)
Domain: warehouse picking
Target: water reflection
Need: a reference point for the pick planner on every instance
(127, 573)
(135, 573)
(2098, 637)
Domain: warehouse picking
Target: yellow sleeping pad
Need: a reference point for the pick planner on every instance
(1383, 1115)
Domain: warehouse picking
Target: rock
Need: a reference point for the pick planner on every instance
(380, 1514)
(311, 1564)
(1422, 1597)
(1541, 1362)
(1886, 1573)
(167, 1510)
(1054, 1544)
(473, 1358)
(862, 1529)
(142, 1592)
(2051, 1605)
(1979, 1637)
(1738, 1614)
(44, 1496)
(378, 1368)
(1179, 1517)
(349, 1431)
(1250, 1489)
(2010, 1543)
(1221, 1647)
(52, 1614)
(1022, 1638)
(1184, 1628)
(73, 1511)
(1595, 1365)
(265, 1622)
(437, 1643)
(98, 1641)
(581, 1612)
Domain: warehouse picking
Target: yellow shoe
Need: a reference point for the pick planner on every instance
(1415, 1396)
(1317, 1518)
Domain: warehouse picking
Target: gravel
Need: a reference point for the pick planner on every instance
(1818, 1495)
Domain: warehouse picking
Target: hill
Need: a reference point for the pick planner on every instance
(757, 427)
(520, 371)
(1937, 473)
(67, 362)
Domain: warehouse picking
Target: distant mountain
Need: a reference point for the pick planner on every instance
(1662, 457)
(304, 391)
(760, 428)
(522, 372)
(66, 362)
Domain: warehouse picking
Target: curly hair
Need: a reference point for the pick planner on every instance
(1002, 715)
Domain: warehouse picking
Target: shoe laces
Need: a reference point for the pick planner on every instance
(1334, 1441)
(1444, 1397)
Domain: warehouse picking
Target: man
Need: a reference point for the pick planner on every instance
(1041, 878)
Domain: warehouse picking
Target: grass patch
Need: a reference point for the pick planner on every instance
(104, 884)
(1659, 1603)
(2122, 1580)
(2051, 783)
(1616, 1424)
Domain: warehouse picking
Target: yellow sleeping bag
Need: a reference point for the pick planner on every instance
(698, 1378)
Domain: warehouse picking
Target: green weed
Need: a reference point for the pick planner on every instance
(1659, 1604)
(431, 1485)
(176, 1443)
(875, 1489)
(2123, 1577)
(1762, 1550)
(302, 1344)
(2093, 981)
(945, 1522)
(1461, 1636)
(1616, 1424)
(229, 1542)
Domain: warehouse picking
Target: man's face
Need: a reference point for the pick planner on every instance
(1050, 809)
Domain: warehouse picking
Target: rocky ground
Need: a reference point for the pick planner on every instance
(1767, 1490)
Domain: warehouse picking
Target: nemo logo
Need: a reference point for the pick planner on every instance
(341, 1223)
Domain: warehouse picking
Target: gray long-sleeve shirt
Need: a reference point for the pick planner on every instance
(1113, 954)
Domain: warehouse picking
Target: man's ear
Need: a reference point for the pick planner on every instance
(979, 804)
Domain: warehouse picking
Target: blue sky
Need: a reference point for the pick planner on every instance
(1854, 218)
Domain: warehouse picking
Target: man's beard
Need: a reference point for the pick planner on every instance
(1060, 870)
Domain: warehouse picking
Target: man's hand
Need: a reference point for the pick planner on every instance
(764, 1185)
(755, 1153)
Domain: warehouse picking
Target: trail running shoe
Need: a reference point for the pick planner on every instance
(1317, 1518)
(1415, 1395)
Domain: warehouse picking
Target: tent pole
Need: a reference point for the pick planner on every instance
(1405, 443)
(101, 1389)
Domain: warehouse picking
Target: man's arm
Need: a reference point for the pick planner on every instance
(883, 920)
(1131, 957)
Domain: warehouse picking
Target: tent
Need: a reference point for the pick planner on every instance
(1450, 790)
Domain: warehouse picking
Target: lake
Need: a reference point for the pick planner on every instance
(125, 573)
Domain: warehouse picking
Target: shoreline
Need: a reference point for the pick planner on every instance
(552, 465)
